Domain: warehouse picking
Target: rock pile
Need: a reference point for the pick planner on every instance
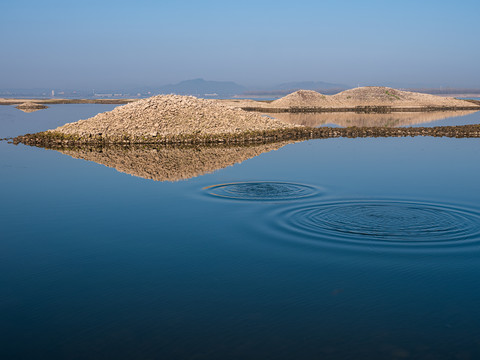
(171, 115)
(30, 107)
(370, 98)
(384, 96)
(304, 98)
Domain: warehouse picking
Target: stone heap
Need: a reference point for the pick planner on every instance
(171, 115)
(30, 107)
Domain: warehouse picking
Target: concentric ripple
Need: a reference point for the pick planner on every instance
(382, 222)
(262, 191)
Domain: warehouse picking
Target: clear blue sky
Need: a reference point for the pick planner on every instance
(105, 44)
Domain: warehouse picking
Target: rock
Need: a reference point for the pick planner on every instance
(172, 115)
(31, 107)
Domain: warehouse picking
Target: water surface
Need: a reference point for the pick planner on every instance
(379, 259)
(394, 119)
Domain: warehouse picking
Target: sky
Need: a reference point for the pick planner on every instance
(118, 44)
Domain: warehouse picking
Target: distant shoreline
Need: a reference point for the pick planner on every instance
(248, 107)
(5, 101)
(49, 101)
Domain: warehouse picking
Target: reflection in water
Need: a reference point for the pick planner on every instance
(29, 107)
(392, 224)
(165, 163)
(28, 110)
(262, 190)
(346, 119)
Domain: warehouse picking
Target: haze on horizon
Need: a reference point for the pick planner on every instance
(107, 44)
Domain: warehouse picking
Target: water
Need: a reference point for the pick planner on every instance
(262, 191)
(394, 119)
(386, 223)
(14, 122)
(329, 249)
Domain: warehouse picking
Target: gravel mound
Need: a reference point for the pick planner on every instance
(385, 96)
(303, 98)
(30, 107)
(369, 96)
(171, 115)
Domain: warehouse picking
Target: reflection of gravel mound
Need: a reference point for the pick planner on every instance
(171, 115)
(170, 163)
(346, 119)
(30, 107)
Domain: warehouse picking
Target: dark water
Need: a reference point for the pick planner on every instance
(325, 249)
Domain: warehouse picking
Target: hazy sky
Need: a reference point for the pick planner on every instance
(107, 44)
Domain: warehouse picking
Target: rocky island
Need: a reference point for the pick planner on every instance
(168, 119)
(368, 99)
(174, 119)
(30, 106)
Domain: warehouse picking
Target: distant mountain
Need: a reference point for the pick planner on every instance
(201, 87)
(309, 85)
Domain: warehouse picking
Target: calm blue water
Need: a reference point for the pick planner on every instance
(14, 122)
(468, 119)
(395, 119)
(325, 249)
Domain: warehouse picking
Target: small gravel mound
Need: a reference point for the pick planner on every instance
(303, 98)
(30, 107)
(171, 115)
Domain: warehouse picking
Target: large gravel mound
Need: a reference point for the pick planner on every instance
(385, 96)
(369, 96)
(172, 115)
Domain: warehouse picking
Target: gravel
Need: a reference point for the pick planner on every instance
(172, 115)
(384, 96)
(30, 107)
